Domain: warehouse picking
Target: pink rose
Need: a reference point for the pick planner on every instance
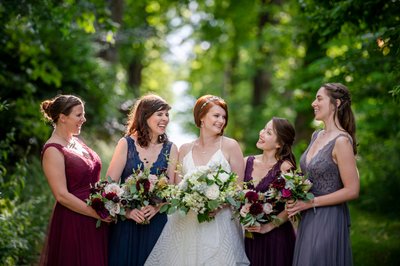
(286, 193)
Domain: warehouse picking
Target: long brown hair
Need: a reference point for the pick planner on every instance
(344, 113)
(137, 125)
(285, 135)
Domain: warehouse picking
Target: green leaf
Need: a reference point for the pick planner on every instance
(213, 204)
(98, 223)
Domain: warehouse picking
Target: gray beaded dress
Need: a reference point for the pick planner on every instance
(323, 237)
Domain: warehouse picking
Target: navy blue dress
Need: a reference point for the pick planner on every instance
(131, 243)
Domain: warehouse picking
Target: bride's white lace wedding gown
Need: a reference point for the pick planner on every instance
(184, 241)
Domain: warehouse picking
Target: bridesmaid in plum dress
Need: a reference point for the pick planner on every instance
(272, 243)
(70, 168)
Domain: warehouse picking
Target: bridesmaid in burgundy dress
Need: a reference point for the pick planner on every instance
(272, 243)
(70, 167)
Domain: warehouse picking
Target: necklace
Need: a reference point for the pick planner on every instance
(70, 143)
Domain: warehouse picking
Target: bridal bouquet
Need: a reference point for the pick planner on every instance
(142, 189)
(106, 198)
(203, 191)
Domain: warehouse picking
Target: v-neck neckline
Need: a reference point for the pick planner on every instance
(197, 166)
(140, 159)
(262, 178)
(323, 147)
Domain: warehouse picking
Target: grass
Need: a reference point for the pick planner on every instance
(375, 238)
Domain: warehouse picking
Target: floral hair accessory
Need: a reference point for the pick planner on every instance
(211, 99)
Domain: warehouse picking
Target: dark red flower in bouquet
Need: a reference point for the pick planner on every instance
(145, 183)
(278, 183)
(97, 204)
(103, 213)
(251, 196)
(256, 208)
(286, 193)
(110, 195)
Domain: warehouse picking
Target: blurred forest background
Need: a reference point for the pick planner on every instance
(265, 57)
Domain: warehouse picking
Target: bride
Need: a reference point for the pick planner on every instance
(184, 241)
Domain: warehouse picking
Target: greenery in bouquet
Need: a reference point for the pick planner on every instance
(290, 186)
(106, 198)
(203, 191)
(253, 208)
(143, 188)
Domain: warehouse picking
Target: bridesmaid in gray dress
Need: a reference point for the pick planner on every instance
(323, 235)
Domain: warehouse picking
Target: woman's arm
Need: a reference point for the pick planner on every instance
(344, 157)
(235, 158)
(118, 160)
(172, 162)
(54, 170)
(183, 150)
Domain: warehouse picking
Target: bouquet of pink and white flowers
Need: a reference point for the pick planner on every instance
(142, 189)
(106, 198)
(203, 191)
(253, 208)
(290, 186)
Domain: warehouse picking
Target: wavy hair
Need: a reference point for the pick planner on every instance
(285, 136)
(344, 113)
(137, 125)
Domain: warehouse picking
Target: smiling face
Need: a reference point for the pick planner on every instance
(158, 122)
(74, 121)
(267, 138)
(323, 108)
(215, 119)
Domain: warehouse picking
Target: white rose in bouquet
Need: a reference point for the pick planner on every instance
(212, 192)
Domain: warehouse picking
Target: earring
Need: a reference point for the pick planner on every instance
(201, 124)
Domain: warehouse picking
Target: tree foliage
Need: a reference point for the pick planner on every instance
(265, 57)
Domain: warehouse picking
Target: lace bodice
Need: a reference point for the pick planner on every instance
(321, 169)
(134, 162)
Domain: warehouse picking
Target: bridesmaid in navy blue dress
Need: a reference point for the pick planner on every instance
(272, 243)
(145, 145)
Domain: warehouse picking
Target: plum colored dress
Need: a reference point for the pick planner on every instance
(131, 243)
(276, 247)
(73, 238)
(324, 235)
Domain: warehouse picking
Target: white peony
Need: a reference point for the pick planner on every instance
(112, 207)
(212, 192)
(223, 177)
(211, 176)
(115, 188)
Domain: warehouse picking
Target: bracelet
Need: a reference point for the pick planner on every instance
(277, 222)
(313, 205)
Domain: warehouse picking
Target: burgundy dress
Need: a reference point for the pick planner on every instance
(73, 238)
(276, 247)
